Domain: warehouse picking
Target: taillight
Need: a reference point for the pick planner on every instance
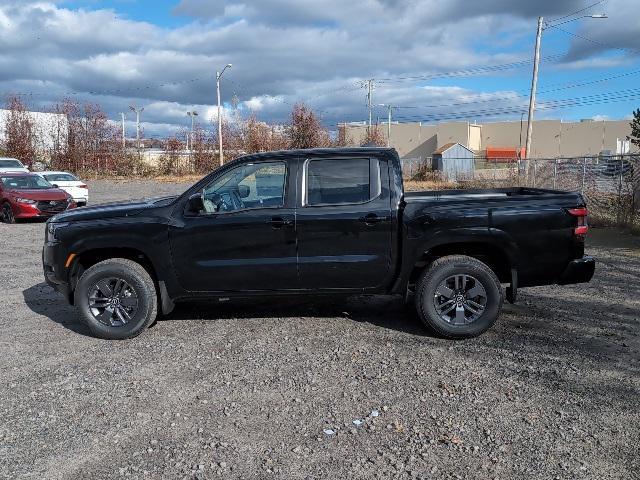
(82, 186)
(581, 214)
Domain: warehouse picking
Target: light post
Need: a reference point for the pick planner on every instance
(137, 111)
(193, 114)
(124, 140)
(389, 108)
(218, 75)
(542, 25)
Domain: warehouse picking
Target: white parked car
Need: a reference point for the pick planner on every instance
(69, 183)
(11, 165)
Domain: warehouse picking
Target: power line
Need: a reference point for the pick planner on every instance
(596, 42)
(467, 72)
(515, 109)
(487, 97)
(577, 11)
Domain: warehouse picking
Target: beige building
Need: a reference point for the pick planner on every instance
(551, 138)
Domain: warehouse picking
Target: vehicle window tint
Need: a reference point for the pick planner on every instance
(254, 185)
(60, 177)
(340, 181)
(10, 164)
(26, 182)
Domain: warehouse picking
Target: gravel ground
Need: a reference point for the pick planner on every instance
(271, 389)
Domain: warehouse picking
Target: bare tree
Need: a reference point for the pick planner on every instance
(305, 129)
(170, 160)
(20, 135)
(374, 137)
(91, 142)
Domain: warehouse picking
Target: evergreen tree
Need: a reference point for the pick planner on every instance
(635, 129)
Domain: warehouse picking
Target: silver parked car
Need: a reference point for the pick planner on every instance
(11, 165)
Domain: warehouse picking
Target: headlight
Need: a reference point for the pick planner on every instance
(25, 200)
(52, 230)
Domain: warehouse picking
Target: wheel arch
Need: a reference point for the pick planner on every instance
(493, 254)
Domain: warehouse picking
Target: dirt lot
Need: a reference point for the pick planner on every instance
(247, 390)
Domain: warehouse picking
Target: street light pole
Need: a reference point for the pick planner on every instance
(534, 86)
(369, 98)
(218, 75)
(389, 108)
(124, 140)
(137, 111)
(536, 63)
(193, 114)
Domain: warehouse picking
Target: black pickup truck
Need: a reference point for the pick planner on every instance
(322, 221)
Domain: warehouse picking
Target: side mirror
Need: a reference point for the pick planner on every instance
(195, 204)
(54, 185)
(244, 191)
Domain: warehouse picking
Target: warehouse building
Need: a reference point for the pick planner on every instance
(551, 138)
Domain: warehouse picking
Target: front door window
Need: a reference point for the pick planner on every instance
(253, 185)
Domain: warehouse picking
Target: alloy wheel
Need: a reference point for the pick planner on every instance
(113, 302)
(460, 299)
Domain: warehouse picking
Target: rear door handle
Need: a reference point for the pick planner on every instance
(372, 218)
(279, 222)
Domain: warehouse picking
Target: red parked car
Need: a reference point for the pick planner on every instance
(27, 195)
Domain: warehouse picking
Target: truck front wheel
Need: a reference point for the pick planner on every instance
(459, 297)
(116, 299)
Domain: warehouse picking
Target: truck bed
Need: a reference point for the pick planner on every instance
(487, 194)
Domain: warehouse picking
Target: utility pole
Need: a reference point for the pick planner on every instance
(137, 111)
(536, 63)
(534, 86)
(124, 140)
(218, 75)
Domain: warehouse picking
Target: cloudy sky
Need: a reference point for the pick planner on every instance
(433, 59)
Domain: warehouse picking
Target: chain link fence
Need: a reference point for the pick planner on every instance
(610, 184)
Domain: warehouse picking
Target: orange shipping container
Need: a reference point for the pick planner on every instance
(503, 154)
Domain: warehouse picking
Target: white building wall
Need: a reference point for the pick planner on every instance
(46, 126)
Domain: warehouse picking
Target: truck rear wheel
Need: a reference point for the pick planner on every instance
(459, 297)
(116, 298)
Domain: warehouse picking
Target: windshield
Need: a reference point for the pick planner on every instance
(8, 163)
(25, 182)
(60, 177)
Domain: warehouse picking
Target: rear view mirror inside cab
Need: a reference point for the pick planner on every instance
(244, 191)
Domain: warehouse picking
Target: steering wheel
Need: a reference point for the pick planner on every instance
(238, 204)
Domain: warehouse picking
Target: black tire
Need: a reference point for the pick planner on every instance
(139, 284)
(7, 213)
(432, 279)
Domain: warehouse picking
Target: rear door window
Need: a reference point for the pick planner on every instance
(342, 181)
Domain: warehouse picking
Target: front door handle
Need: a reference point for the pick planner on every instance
(372, 218)
(279, 222)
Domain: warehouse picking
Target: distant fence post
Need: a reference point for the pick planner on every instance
(584, 173)
(555, 172)
(621, 171)
(535, 171)
(620, 179)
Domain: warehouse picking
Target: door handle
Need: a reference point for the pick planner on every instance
(372, 218)
(279, 222)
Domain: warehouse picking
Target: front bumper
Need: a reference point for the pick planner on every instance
(52, 266)
(580, 270)
(26, 211)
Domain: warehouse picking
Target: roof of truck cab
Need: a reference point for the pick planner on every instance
(319, 152)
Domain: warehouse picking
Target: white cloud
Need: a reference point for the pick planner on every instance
(283, 51)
